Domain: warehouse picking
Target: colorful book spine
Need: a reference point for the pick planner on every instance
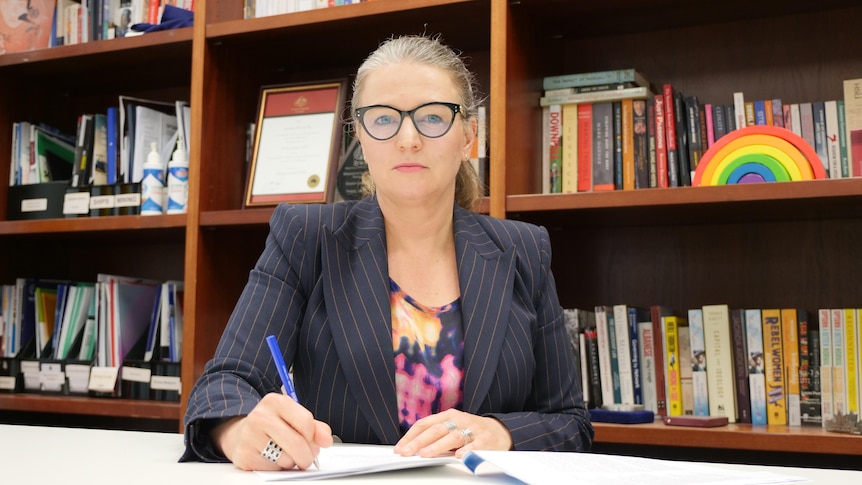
(809, 360)
(569, 162)
(844, 154)
(646, 347)
(670, 132)
(661, 162)
(776, 402)
(640, 145)
(720, 378)
(556, 153)
(756, 380)
(839, 376)
(826, 399)
(674, 380)
(603, 168)
(585, 147)
(657, 312)
(790, 344)
(851, 349)
(652, 167)
(698, 362)
(635, 316)
(628, 146)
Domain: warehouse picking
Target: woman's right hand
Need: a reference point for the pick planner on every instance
(279, 419)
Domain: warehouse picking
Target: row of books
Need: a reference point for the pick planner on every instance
(264, 8)
(611, 130)
(102, 338)
(779, 366)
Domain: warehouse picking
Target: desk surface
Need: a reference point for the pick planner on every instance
(68, 456)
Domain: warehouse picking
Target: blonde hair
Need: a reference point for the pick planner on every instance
(428, 51)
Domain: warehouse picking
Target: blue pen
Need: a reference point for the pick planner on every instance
(287, 383)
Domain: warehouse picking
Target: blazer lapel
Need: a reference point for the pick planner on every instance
(485, 275)
(357, 301)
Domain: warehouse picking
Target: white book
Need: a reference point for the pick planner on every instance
(796, 119)
(720, 379)
(839, 390)
(546, 149)
(739, 109)
(833, 149)
(624, 355)
(602, 339)
(698, 362)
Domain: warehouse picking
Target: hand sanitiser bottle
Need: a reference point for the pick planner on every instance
(153, 185)
(178, 181)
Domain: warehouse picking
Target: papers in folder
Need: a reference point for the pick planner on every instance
(531, 467)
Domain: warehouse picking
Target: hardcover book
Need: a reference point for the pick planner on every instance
(698, 362)
(740, 365)
(756, 379)
(853, 120)
(790, 344)
(720, 378)
(595, 78)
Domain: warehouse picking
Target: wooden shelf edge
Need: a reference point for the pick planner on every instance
(240, 217)
(733, 437)
(676, 196)
(92, 224)
(81, 405)
(123, 44)
(343, 12)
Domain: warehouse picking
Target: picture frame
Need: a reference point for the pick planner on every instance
(297, 144)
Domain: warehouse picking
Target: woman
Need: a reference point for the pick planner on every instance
(408, 319)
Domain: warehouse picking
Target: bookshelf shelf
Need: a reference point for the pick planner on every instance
(95, 224)
(733, 437)
(122, 408)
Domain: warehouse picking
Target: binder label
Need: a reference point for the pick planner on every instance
(128, 200)
(136, 374)
(7, 383)
(165, 383)
(79, 377)
(34, 205)
(76, 203)
(101, 202)
(103, 379)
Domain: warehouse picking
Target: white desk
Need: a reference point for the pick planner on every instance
(67, 456)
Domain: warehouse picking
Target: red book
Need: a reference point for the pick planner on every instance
(585, 147)
(656, 312)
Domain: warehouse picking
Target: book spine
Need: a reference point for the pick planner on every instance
(760, 112)
(718, 121)
(839, 375)
(646, 347)
(709, 122)
(617, 136)
(851, 349)
(739, 111)
(652, 167)
(661, 162)
(844, 155)
(695, 142)
(634, 343)
(756, 379)
(827, 404)
(597, 96)
(720, 379)
(624, 355)
(628, 148)
(603, 171)
(833, 150)
(740, 365)
(683, 336)
(790, 344)
(585, 147)
(777, 113)
(683, 158)
(809, 369)
(656, 314)
(640, 145)
(699, 365)
(670, 131)
(556, 153)
(546, 149)
(569, 165)
(853, 120)
(674, 382)
(615, 359)
(818, 112)
(595, 374)
(603, 338)
(589, 79)
(776, 402)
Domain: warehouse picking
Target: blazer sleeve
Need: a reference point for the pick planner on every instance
(555, 418)
(241, 370)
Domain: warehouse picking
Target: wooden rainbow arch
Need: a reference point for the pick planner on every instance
(758, 154)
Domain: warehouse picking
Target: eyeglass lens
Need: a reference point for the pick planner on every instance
(431, 120)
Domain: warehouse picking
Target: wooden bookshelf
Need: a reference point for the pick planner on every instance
(792, 244)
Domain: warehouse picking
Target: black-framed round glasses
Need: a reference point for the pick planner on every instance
(432, 120)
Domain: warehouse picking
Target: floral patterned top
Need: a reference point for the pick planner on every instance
(429, 348)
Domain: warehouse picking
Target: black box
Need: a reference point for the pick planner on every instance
(36, 201)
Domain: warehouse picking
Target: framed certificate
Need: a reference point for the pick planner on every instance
(296, 144)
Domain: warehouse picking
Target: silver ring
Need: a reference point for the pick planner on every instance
(468, 435)
(272, 452)
(450, 425)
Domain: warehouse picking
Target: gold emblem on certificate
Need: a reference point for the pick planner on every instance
(313, 181)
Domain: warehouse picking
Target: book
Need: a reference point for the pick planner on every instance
(624, 354)
(738, 111)
(646, 354)
(827, 406)
(628, 148)
(756, 379)
(685, 371)
(603, 342)
(671, 324)
(603, 171)
(657, 313)
(569, 162)
(809, 368)
(595, 78)
(818, 110)
(595, 385)
(682, 139)
(640, 144)
(773, 367)
(790, 345)
(739, 355)
(853, 121)
(617, 137)
(555, 141)
(670, 138)
(720, 378)
(546, 149)
(839, 356)
(851, 352)
(661, 162)
(585, 148)
(596, 96)
(698, 362)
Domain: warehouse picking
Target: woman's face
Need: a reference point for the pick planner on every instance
(409, 167)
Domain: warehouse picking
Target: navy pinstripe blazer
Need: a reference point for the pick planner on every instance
(322, 287)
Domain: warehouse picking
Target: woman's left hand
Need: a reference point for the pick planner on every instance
(453, 430)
